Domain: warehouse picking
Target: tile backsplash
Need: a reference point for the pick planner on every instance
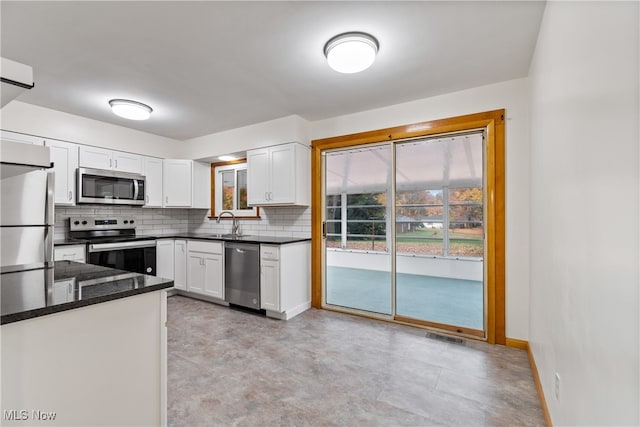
(286, 222)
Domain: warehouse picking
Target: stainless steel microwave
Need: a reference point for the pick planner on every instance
(97, 186)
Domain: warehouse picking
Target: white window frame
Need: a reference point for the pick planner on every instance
(239, 213)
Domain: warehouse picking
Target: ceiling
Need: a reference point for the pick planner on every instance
(209, 66)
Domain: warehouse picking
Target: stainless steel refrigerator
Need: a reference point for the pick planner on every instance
(26, 207)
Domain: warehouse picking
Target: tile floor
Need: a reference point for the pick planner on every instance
(323, 368)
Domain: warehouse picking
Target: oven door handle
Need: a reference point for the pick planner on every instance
(101, 247)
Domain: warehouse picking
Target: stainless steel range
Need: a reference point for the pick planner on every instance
(113, 243)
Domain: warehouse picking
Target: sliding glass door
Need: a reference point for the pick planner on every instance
(357, 187)
(404, 231)
(440, 232)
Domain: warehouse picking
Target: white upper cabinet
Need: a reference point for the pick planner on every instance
(64, 156)
(258, 170)
(127, 162)
(201, 185)
(97, 158)
(279, 175)
(152, 170)
(186, 184)
(176, 177)
(100, 158)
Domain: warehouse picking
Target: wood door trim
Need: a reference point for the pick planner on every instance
(493, 124)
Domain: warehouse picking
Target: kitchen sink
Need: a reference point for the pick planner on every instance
(225, 236)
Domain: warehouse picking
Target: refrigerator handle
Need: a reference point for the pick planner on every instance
(49, 214)
(49, 217)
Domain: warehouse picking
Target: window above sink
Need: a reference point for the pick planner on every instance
(229, 185)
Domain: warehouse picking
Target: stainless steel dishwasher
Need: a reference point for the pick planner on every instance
(242, 274)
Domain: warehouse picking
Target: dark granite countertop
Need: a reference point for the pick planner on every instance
(273, 240)
(68, 285)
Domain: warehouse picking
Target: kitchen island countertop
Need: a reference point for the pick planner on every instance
(66, 286)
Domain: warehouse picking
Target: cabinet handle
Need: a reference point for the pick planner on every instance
(266, 195)
(116, 163)
(70, 195)
(147, 198)
(270, 195)
(110, 163)
(166, 200)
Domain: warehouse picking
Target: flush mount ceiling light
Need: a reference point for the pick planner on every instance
(131, 110)
(351, 52)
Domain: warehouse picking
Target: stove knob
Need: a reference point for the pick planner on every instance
(149, 269)
(126, 222)
(84, 222)
(131, 221)
(76, 222)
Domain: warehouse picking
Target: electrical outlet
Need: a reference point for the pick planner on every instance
(557, 386)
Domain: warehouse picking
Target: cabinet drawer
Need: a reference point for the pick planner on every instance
(208, 247)
(70, 253)
(269, 252)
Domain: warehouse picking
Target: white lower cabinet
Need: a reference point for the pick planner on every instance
(270, 285)
(62, 291)
(165, 258)
(180, 265)
(285, 279)
(205, 271)
(70, 253)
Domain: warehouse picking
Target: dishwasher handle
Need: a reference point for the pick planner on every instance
(242, 247)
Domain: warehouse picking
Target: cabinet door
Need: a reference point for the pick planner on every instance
(258, 177)
(195, 272)
(214, 283)
(152, 169)
(97, 158)
(62, 291)
(201, 185)
(282, 169)
(270, 285)
(64, 156)
(127, 162)
(165, 255)
(180, 265)
(176, 176)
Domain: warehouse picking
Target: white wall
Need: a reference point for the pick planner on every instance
(584, 211)
(39, 121)
(511, 95)
(273, 132)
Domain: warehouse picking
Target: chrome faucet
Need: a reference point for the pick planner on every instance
(235, 227)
